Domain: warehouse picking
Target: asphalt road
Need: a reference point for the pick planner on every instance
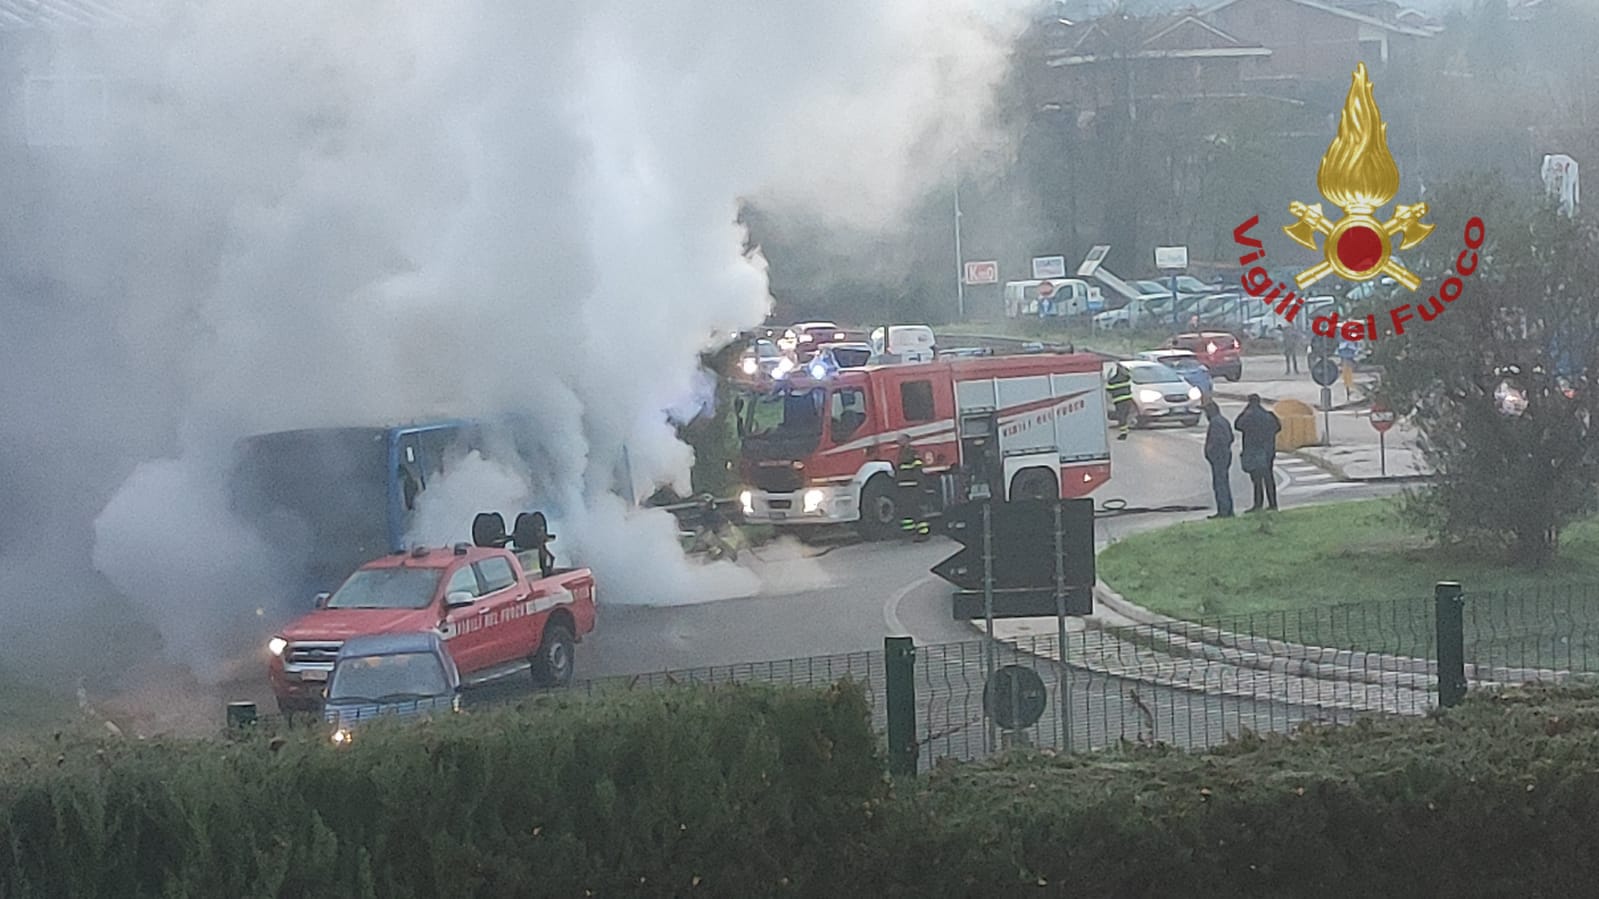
(821, 600)
(824, 611)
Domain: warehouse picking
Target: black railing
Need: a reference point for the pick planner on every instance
(1188, 684)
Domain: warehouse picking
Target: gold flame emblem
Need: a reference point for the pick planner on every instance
(1359, 176)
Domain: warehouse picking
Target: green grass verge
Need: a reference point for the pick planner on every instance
(1354, 575)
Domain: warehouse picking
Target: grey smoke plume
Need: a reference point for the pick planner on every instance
(303, 213)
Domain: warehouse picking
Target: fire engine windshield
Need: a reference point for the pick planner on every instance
(784, 414)
(387, 588)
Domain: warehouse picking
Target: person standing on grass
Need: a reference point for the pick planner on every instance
(1259, 426)
(1219, 453)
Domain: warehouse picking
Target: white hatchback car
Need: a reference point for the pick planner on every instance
(1160, 393)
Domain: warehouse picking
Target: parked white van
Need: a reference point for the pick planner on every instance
(906, 343)
(1071, 297)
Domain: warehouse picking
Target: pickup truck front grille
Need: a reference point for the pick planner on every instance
(318, 654)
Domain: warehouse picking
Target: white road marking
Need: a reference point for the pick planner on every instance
(891, 607)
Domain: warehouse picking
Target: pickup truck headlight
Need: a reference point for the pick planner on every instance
(1193, 393)
(747, 500)
(1149, 396)
(813, 500)
(276, 645)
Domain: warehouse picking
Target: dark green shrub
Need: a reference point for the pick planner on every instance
(650, 794)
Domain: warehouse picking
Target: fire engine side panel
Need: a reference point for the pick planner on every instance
(975, 397)
(1080, 430)
(1026, 415)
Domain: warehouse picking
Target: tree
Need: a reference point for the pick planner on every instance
(1501, 384)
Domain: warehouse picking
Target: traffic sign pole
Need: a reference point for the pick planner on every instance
(988, 608)
(1382, 418)
(1326, 416)
(1063, 690)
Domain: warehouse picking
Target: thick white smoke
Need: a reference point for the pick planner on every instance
(304, 213)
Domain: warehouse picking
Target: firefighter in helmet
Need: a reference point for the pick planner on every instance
(912, 482)
(1120, 387)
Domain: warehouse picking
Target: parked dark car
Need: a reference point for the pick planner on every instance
(406, 674)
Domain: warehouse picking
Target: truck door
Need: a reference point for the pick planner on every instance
(466, 629)
(846, 423)
(510, 634)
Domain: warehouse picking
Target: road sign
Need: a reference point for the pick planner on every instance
(1049, 267)
(1014, 697)
(1171, 258)
(1324, 370)
(1046, 290)
(1023, 570)
(1092, 262)
(1382, 417)
(982, 272)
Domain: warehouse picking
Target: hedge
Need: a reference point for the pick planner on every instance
(656, 793)
(754, 792)
(1497, 798)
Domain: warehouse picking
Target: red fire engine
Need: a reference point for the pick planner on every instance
(823, 451)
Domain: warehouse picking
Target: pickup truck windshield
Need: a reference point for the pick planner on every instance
(416, 675)
(388, 588)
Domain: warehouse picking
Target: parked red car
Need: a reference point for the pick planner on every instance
(1219, 351)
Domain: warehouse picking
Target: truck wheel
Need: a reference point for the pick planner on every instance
(879, 509)
(1034, 483)
(553, 663)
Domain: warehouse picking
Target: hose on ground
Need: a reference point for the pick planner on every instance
(1118, 506)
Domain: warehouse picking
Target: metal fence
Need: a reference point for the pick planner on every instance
(1191, 685)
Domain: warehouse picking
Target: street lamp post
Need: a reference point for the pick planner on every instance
(960, 263)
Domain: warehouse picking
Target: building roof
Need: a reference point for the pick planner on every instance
(60, 15)
(1343, 12)
(1176, 36)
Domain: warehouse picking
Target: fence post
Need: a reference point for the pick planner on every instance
(1450, 604)
(241, 714)
(899, 660)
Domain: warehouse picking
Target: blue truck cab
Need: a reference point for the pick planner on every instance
(328, 500)
(334, 498)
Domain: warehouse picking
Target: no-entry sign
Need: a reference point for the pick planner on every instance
(1046, 290)
(1382, 417)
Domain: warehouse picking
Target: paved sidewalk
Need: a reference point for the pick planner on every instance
(1356, 451)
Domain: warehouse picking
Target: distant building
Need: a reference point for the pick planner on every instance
(1315, 44)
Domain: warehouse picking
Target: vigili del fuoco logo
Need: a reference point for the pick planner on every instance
(1359, 176)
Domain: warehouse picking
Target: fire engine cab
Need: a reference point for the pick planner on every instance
(823, 451)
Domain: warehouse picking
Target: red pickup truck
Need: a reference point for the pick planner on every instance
(500, 613)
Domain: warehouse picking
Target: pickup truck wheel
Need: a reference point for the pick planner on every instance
(553, 663)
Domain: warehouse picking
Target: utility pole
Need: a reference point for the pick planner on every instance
(960, 264)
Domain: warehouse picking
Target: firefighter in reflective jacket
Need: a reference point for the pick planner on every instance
(1120, 388)
(912, 483)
